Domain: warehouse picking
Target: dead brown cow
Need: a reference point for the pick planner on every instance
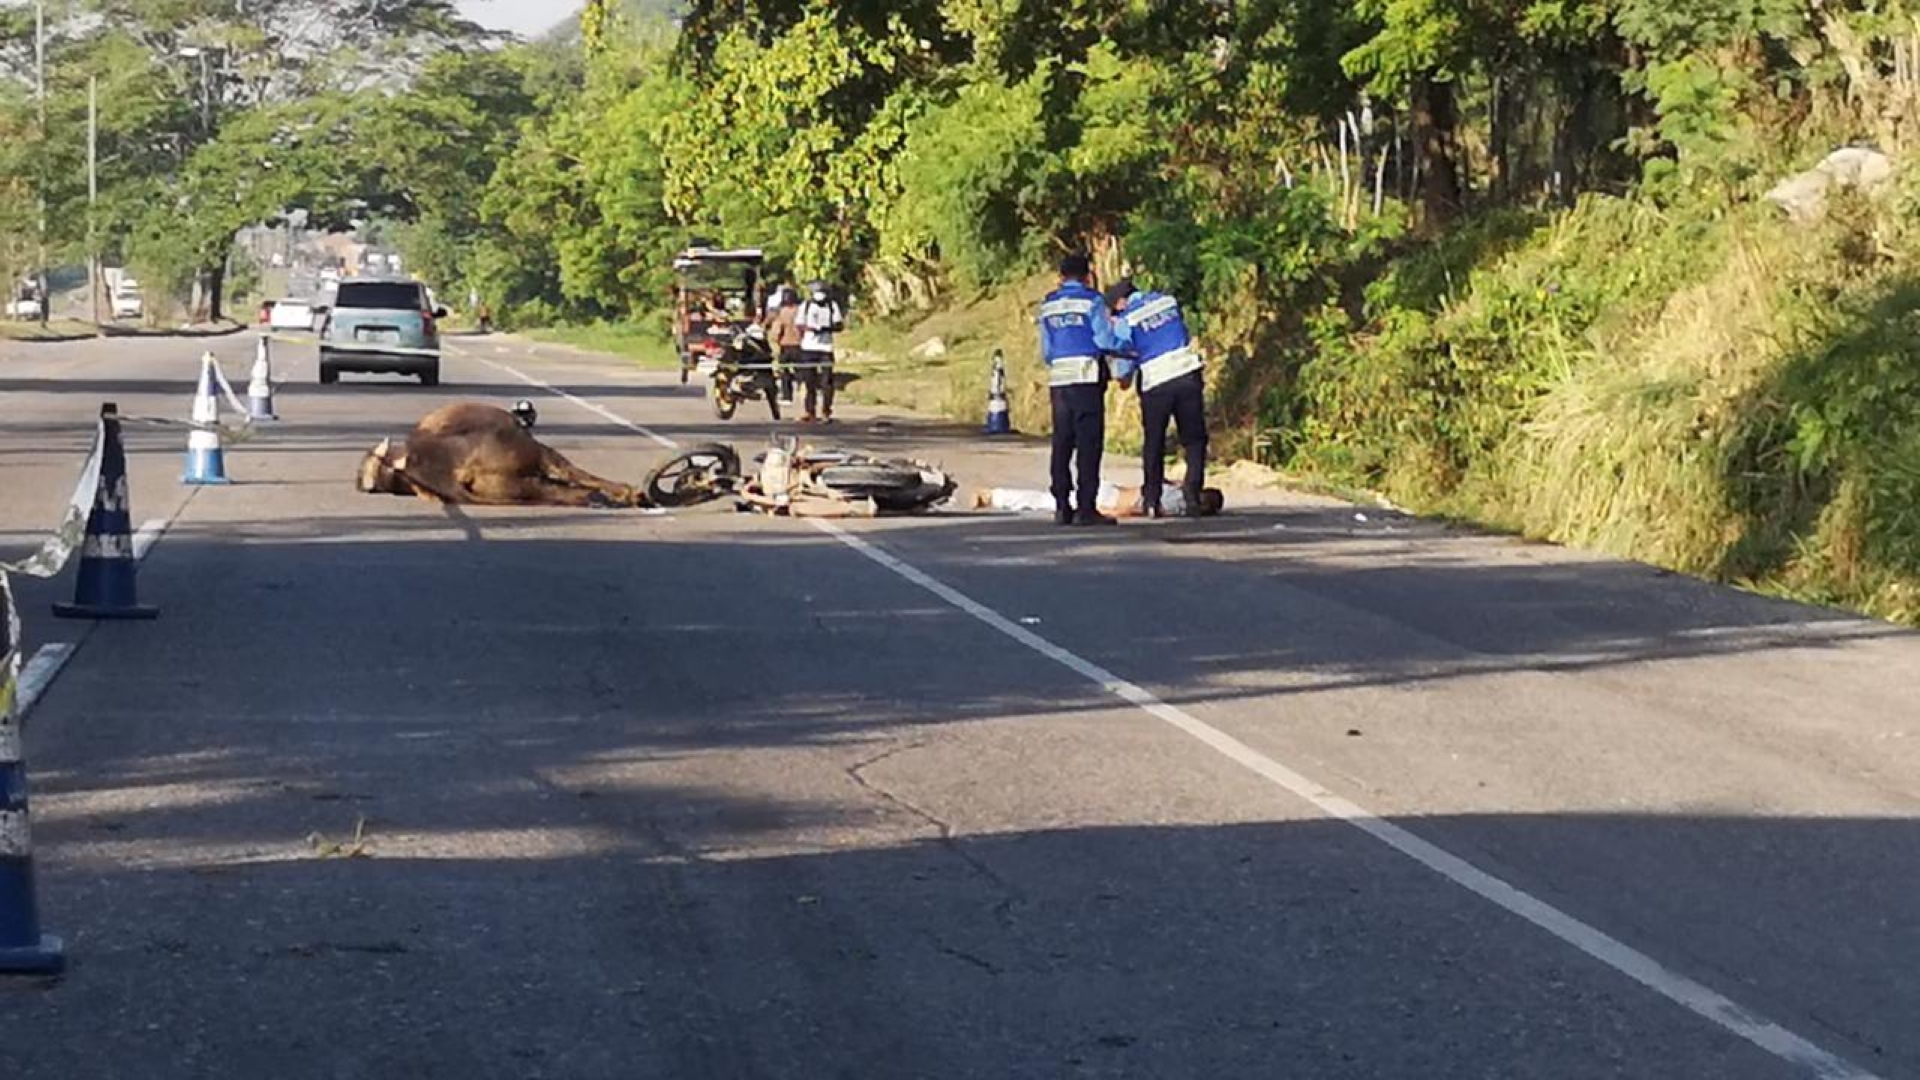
(480, 455)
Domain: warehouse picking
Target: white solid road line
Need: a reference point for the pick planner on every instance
(48, 660)
(39, 673)
(1596, 943)
(149, 534)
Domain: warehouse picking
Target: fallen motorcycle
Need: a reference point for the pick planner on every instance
(800, 481)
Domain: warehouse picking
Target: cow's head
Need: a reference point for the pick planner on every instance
(380, 472)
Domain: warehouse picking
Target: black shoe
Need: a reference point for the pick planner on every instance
(1063, 517)
(1093, 517)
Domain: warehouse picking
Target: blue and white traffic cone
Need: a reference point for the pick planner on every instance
(999, 418)
(206, 461)
(24, 948)
(104, 586)
(260, 383)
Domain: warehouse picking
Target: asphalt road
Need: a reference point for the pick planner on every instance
(1297, 792)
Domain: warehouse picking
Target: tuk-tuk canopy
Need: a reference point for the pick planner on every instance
(697, 256)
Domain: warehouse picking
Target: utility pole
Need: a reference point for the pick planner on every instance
(93, 193)
(40, 96)
(203, 278)
(206, 95)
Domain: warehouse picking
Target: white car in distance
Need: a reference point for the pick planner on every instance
(290, 314)
(127, 303)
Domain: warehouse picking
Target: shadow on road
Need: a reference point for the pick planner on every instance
(742, 804)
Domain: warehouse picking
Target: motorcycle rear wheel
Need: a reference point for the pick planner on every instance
(891, 487)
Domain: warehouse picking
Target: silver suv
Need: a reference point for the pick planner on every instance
(386, 326)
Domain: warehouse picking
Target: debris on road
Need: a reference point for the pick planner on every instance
(355, 848)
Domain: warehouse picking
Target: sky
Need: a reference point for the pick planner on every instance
(526, 17)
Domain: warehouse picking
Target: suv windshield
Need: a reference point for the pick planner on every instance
(401, 295)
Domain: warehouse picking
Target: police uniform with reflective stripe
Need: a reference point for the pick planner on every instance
(1171, 388)
(1074, 331)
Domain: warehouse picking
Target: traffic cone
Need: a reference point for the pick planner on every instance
(24, 949)
(104, 587)
(260, 383)
(206, 461)
(999, 419)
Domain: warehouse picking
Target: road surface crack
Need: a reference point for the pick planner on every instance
(947, 839)
(964, 956)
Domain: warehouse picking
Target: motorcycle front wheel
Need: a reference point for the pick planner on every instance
(722, 398)
(706, 471)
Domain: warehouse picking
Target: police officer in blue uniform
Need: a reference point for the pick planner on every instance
(1075, 330)
(1163, 360)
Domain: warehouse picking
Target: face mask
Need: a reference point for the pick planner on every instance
(820, 297)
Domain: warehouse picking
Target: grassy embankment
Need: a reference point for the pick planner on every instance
(1713, 390)
(643, 343)
(80, 329)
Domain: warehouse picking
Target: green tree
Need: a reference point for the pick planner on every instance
(792, 141)
(971, 174)
(172, 76)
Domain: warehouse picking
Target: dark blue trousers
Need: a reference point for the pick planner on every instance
(1079, 435)
(1183, 400)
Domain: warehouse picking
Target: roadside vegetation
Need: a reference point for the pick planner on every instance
(645, 343)
(1513, 263)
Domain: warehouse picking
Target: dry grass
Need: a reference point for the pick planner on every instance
(644, 344)
(54, 330)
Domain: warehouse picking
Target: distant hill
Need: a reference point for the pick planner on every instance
(567, 30)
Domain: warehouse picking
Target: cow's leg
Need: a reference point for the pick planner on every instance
(485, 487)
(560, 472)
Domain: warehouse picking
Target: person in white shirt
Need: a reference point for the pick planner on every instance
(819, 317)
(1112, 500)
